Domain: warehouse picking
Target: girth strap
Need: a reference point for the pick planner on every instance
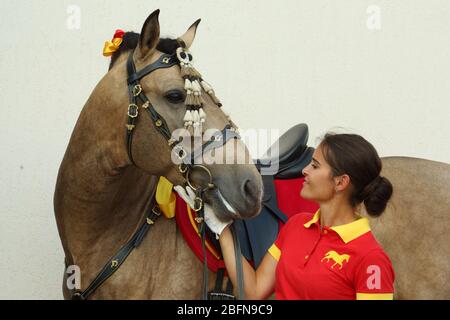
(116, 261)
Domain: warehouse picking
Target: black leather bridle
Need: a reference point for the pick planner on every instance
(136, 94)
(136, 97)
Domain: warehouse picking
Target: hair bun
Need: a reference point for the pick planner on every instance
(376, 195)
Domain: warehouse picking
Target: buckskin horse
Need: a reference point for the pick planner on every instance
(107, 178)
(103, 194)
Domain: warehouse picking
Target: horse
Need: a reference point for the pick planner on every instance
(414, 228)
(109, 172)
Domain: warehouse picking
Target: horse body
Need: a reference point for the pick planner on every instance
(102, 196)
(414, 228)
(162, 267)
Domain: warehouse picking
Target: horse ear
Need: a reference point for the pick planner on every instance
(149, 37)
(189, 36)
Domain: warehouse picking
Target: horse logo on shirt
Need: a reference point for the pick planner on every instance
(336, 257)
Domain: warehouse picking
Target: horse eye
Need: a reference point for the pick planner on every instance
(175, 96)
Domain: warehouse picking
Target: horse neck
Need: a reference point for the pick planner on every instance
(100, 198)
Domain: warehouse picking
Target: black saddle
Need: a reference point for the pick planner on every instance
(258, 234)
(292, 156)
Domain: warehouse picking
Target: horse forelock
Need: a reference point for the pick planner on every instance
(131, 40)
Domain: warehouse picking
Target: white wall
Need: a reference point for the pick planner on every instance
(273, 63)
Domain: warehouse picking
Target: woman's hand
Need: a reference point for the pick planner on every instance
(211, 220)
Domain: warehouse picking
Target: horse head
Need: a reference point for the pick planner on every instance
(238, 185)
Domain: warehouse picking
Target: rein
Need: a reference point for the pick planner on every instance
(137, 97)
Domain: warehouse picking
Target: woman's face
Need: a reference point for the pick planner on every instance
(319, 184)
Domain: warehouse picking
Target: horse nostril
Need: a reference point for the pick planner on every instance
(250, 190)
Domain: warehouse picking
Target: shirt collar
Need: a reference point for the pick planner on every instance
(347, 232)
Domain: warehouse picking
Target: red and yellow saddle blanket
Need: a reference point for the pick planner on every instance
(288, 197)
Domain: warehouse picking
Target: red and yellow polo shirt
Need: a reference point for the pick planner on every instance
(342, 262)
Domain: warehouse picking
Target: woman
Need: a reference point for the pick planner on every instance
(331, 254)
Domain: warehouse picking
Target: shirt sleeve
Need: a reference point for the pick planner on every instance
(374, 277)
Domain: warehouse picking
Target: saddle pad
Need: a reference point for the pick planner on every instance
(289, 200)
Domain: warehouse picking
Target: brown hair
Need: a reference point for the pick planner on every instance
(353, 155)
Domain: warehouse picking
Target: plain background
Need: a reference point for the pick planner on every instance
(377, 68)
